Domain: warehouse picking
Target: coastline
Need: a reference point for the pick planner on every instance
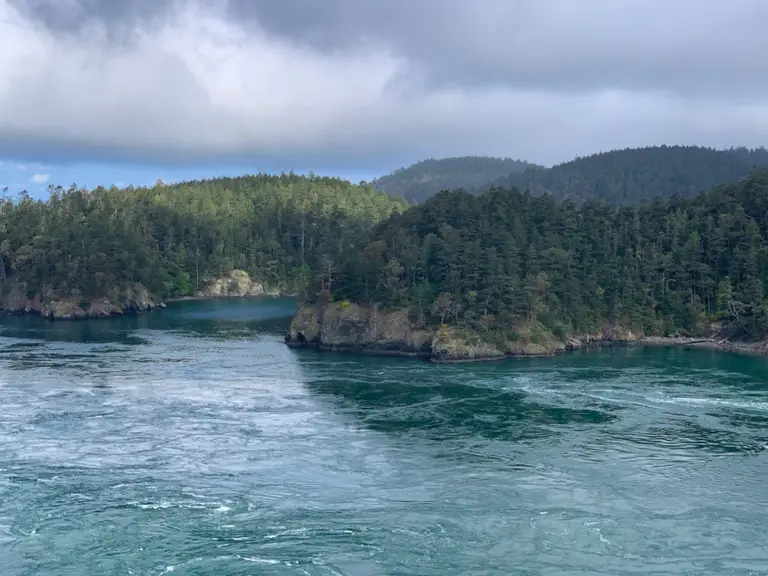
(349, 328)
(102, 309)
(121, 300)
(200, 297)
(759, 349)
(353, 351)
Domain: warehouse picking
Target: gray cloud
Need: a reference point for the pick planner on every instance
(353, 83)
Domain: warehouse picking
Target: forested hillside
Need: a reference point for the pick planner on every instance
(629, 176)
(171, 238)
(617, 177)
(506, 259)
(424, 179)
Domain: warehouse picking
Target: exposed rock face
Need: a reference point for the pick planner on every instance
(611, 335)
(131, 300)
(449, 345)
(351, 328)
(346, 327)
(236, 284)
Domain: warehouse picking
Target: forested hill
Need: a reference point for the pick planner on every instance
(501, 261)
(617, 177)
(171, 238)
(424, 179)
(632, 175)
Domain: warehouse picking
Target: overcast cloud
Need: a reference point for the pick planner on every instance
(377, 82)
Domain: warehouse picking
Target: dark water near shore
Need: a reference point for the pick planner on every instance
(192, 441)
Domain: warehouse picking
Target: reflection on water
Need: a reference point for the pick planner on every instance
(192, 441)
(206, 318)
(451, 409)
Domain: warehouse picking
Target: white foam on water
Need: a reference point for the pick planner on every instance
(692, 401)
(259, 560)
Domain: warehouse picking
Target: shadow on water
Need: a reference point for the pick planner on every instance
(209, 318)
(403, 397)
(606, 363)
(89, 345)
(491, 401)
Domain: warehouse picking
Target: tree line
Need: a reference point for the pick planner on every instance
(424, 179)
(172, 238)
(618, 177)
(632, 175)
(505, 258)
(489, 262)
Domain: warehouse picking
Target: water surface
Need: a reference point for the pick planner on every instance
(192, 441)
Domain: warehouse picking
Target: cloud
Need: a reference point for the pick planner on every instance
(39, 178)
(351, 83)
(15, 166)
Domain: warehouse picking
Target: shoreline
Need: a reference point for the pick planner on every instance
(233, 297)
(369, 330)
(107, 313)
(759, 349)
(353, 351)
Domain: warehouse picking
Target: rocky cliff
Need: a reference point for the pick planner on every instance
(17, 298)
(347, 327)
(235, 284)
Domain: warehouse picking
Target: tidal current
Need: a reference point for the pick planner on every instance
(192, 441)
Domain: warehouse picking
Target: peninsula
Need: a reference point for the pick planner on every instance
(108, 251)
(466, 277)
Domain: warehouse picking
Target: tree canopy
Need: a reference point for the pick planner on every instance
(171, 238)
(618, 177)
(424, 179)
(496, 260)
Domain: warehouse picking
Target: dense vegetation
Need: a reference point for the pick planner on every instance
(618, 177)
(490, 262)
(424, 179)
(623, 177)
(499, 260)
(171, 238)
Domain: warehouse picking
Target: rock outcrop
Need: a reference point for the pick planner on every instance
(19, 299)
(450, 345)
(235, 284)
(348, 327)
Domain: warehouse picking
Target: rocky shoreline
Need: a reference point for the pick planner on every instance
(133, 299)
(351, 328)
(759, 348)
(17, 299)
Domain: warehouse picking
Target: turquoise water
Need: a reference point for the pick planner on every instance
(192, 441)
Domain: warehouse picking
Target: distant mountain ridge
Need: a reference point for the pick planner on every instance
(424, 179)
(616, 177)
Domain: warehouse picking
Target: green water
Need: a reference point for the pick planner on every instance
(192, 441)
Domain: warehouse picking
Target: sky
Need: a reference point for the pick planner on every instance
(106, 92)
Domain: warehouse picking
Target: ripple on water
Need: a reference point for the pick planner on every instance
(197, 443)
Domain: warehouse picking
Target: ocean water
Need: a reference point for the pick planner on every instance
(193, 441)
